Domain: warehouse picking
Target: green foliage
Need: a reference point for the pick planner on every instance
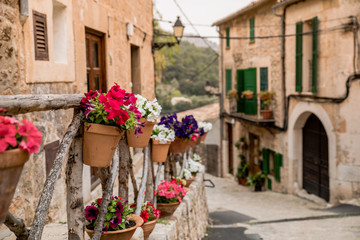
(257, 179)
(243, 170)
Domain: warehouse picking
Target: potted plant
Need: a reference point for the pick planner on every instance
(248, 94)
(243, 172)
(266, 98)
(187, 177)
(18, 139)
(150, 215)
(150, 111)
(161, 140)
(233, 97)
(120, 222)
(256, 180)
(185, 131)
(169, 195)
(206, 126)
(107, 116)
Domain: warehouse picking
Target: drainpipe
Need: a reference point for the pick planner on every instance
(222, 122)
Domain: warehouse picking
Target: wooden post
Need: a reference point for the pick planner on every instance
(132, 176)
(141, 196)
(157, 181)
(103, 175)
(45, 198)
(106, 196)
(167, 168)
(17, 226)
(75, 202)
(149, 192)
(184, 161)
(123, 188)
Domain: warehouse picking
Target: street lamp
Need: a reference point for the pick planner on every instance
(178, 29)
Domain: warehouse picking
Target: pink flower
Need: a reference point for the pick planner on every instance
(32, 136)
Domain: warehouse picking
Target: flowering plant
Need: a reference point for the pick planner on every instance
(116, 217)
(19, 134)
(150, 110)
(148, 212)
(186, 174)
(196, 157)
(193, 167)
(187, 128)
(170, 192)
(163, 134)
(206, 126)
(115, 108)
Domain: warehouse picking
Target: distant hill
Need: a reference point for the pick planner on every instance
(200, 43)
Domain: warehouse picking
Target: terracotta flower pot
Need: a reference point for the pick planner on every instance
(203, 137)
(159, 151)
(198, 140)
(191, 144)
(249, 96)
(99, 145)
(179, 145)
(125, 234)
(11, 165)
(189, 181)
(167, 209)
(267, 114)
(143, 139)
(148, 227)
(242, 181)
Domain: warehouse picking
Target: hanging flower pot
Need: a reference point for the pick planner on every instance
(203, 137)
(159, 151)
(189, 181)
(99, 145)
(167, 209)
(142, 140)
(179, 145)
(11, 165)
(148, 227)
(205, 127)
(125, 234)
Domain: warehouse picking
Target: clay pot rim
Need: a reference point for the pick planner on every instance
(151, 222)
(168, 204)
(157, 142)
(134, 218)
(118, 130)
(18, 161)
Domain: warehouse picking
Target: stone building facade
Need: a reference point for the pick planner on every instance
(306, 52)
(68, 47)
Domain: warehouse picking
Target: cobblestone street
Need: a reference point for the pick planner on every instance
(236, 212)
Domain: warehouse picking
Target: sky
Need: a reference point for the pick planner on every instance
(199, 12)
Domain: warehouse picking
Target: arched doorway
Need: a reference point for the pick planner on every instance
(315, 158)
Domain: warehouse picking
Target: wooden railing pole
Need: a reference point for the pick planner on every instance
(183, 164)
(167, 168)
(141, 196)
(17, 226)
(132, 177)
(106, 196)
(157, 181)
(149, 192)
(75, 201)
(45, 198)
(123, 188)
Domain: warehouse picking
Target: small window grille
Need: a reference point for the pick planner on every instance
(40, 36)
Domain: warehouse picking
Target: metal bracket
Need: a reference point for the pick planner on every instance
(211, 182)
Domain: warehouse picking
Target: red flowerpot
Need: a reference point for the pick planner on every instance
(267, 114)
(159, 151)
(142, 140)
(167, 209)
(203, 137)
(148, 227)
(179, 145)
(242, 181)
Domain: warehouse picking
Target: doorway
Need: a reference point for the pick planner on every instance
(254, 148)
(315, 158)
(135, 70)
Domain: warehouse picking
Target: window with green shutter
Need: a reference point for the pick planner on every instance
(250, 84)
(314, 54)
(278, 158)
(264, 79)
(266, 162)
(298, 56)
(227, 37)
(240, 89)
(269, 184)
(252, 29)
(228, 80)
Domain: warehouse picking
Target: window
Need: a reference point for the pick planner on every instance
(135, 70)
(227, 37)
(59, 32)
(40, 36)
(252, 30)
(246, 80)
(272, 162)
(228, 80)
(306, 56)
(264, 79)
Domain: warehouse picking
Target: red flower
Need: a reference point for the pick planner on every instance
(144, 215)
(32, 136)
(7, 136)
(91, 94)
(98, 201)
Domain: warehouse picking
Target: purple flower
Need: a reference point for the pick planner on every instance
(138, 128)
(114, 222)
(119, 209)
(105, 228)
(91, 212)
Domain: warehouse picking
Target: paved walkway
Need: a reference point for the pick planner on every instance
(236, 212)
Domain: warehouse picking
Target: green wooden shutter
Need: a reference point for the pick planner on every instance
(228, 80)
(227, 37)
(250, 84)
(299, 56)
(265, 158)
(252, 29)
(269, 184)
(314, 53)
(277, 164)
(240, 89)
(263, 79)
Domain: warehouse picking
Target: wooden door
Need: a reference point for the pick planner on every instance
(96, 75)
(95, 61)
(315, 158)
(254, 147)
(250, 84)
(231, 148)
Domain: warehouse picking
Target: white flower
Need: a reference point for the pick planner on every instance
(196, 157)
(205, 125)
(193, 167)
(150, 110)
(163, 134)
(186, 174)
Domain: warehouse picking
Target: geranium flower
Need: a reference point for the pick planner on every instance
(32, 136)
(91, 212)
(7, 136)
